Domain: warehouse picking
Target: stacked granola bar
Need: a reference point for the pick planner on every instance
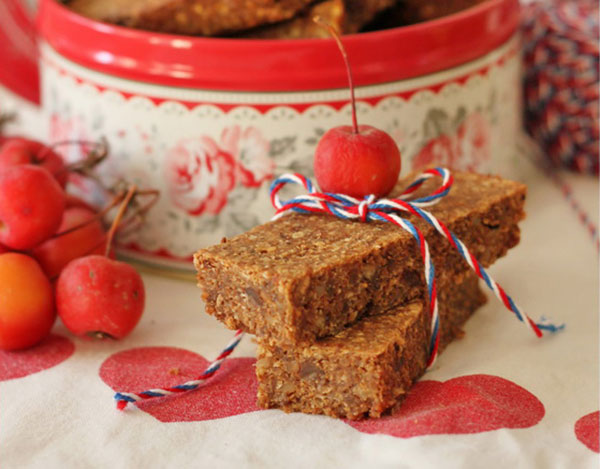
(339, 307)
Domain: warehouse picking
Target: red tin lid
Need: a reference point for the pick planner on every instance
(277, 65)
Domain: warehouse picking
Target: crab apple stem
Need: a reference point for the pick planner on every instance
(113, 203)
(335, 35)
(140, 210)
(95, 156)
(118, 217)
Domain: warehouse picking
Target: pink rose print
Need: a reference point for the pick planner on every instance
(474, 141)
(466, 147)
(200, 176)
(251, 151)
(69, 129)
(72, 131)
(232, 391)
(440, 151)
(202, 172)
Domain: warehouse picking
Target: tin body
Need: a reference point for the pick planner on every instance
(209, 122)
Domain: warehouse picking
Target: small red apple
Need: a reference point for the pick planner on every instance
(357, 163)
(55, 253)
(355, 160)
(18, 151)
(32, 204)
(99, 297)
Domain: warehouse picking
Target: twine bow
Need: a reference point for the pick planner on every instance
(389, 210)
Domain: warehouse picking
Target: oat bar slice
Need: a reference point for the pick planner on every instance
(365, 369)
(303, 277)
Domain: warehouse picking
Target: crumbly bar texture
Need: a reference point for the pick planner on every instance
(195, 17)
(367, 368)
(346, 16)
(304, 277)
(302, 25)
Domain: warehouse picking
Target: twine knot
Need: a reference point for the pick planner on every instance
(364, 206)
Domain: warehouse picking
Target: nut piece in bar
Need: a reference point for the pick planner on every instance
(303, 277)
(367, 368)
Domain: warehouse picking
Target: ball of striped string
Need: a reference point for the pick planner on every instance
(561, 59)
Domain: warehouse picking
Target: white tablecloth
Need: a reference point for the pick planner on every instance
(532, 391)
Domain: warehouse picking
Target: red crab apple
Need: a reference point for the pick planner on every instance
(31, 206)
(356, 160)
(18, 151)
(100, 297)
(73, 201)
(55, 253)
(26, 302)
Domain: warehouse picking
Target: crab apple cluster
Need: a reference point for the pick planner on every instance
(54, 255)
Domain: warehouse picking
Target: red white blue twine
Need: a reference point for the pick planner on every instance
(123, 398)
(369, 209)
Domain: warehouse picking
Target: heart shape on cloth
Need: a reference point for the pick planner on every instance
(51, 351)
(467, 404)
(586, 431)
(231, 391)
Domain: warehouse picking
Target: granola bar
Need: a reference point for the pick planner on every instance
(303, 277)
(365, 369)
